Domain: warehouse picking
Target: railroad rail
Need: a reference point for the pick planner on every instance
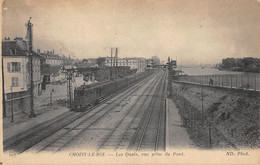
(114, 140)
(63, 137)
(150, 133)
(47, 129)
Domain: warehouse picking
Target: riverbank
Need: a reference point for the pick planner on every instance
(236, 69)
(207, 71)
(231, 117)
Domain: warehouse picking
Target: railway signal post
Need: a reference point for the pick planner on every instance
(29, 36)
(69, 75)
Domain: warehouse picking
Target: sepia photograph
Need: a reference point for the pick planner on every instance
(130, 82)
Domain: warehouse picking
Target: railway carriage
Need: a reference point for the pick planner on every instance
(89, 95)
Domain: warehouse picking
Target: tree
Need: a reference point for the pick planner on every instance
(240, 63)
(228, 63)
(101, 61)
(248, 61)
(84, 60)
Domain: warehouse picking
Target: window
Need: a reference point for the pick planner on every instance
(13, 67)
(15, 82)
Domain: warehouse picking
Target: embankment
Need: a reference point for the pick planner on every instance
(233, 116)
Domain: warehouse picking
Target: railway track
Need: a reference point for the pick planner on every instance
(113, 140)
(24, 142)
(150, 133)
(64, 136)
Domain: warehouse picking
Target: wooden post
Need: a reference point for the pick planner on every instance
(222, 80)
(111, 74)
(3, 89)
(51, 97)
(29, 31)
(231, 80)
(202, 108)
(210, 143)
(248, 81)
(12, 105)
(116, 56)
(183, 112)
(236, 81)
(241, 81)
(190, 116)
(219, 80)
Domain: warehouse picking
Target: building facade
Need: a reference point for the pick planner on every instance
(16, 76)
(50, 58)
(134, 63)
(156, 60)
(16, 68)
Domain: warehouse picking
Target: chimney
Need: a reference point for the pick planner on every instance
(53, 51)
(38, 51)
(7, 39)
(17, 38)
(48, 52)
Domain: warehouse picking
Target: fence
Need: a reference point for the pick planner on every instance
(243, 81)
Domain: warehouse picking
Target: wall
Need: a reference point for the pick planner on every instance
(22, 78)
(19, 102)
(37, 78)
(23, 75)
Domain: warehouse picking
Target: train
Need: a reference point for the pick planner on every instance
(86, 96)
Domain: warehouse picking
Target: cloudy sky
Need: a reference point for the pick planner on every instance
(197, 31)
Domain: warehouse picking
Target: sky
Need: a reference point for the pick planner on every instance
(194, 32)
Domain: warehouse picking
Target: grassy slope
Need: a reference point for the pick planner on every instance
(234, 116)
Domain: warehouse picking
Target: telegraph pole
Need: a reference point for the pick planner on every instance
(3, 88)
(69, 85)
(29, 32)
(111, 74)
(169, 76)
(12, 105)
(116, 56)
(51, 97)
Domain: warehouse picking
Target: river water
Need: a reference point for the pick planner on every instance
(210, 71)
(221, 78)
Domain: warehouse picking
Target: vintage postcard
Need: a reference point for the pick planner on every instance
(130, 82)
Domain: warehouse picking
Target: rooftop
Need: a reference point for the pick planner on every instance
(51, 70)
(11, 48)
